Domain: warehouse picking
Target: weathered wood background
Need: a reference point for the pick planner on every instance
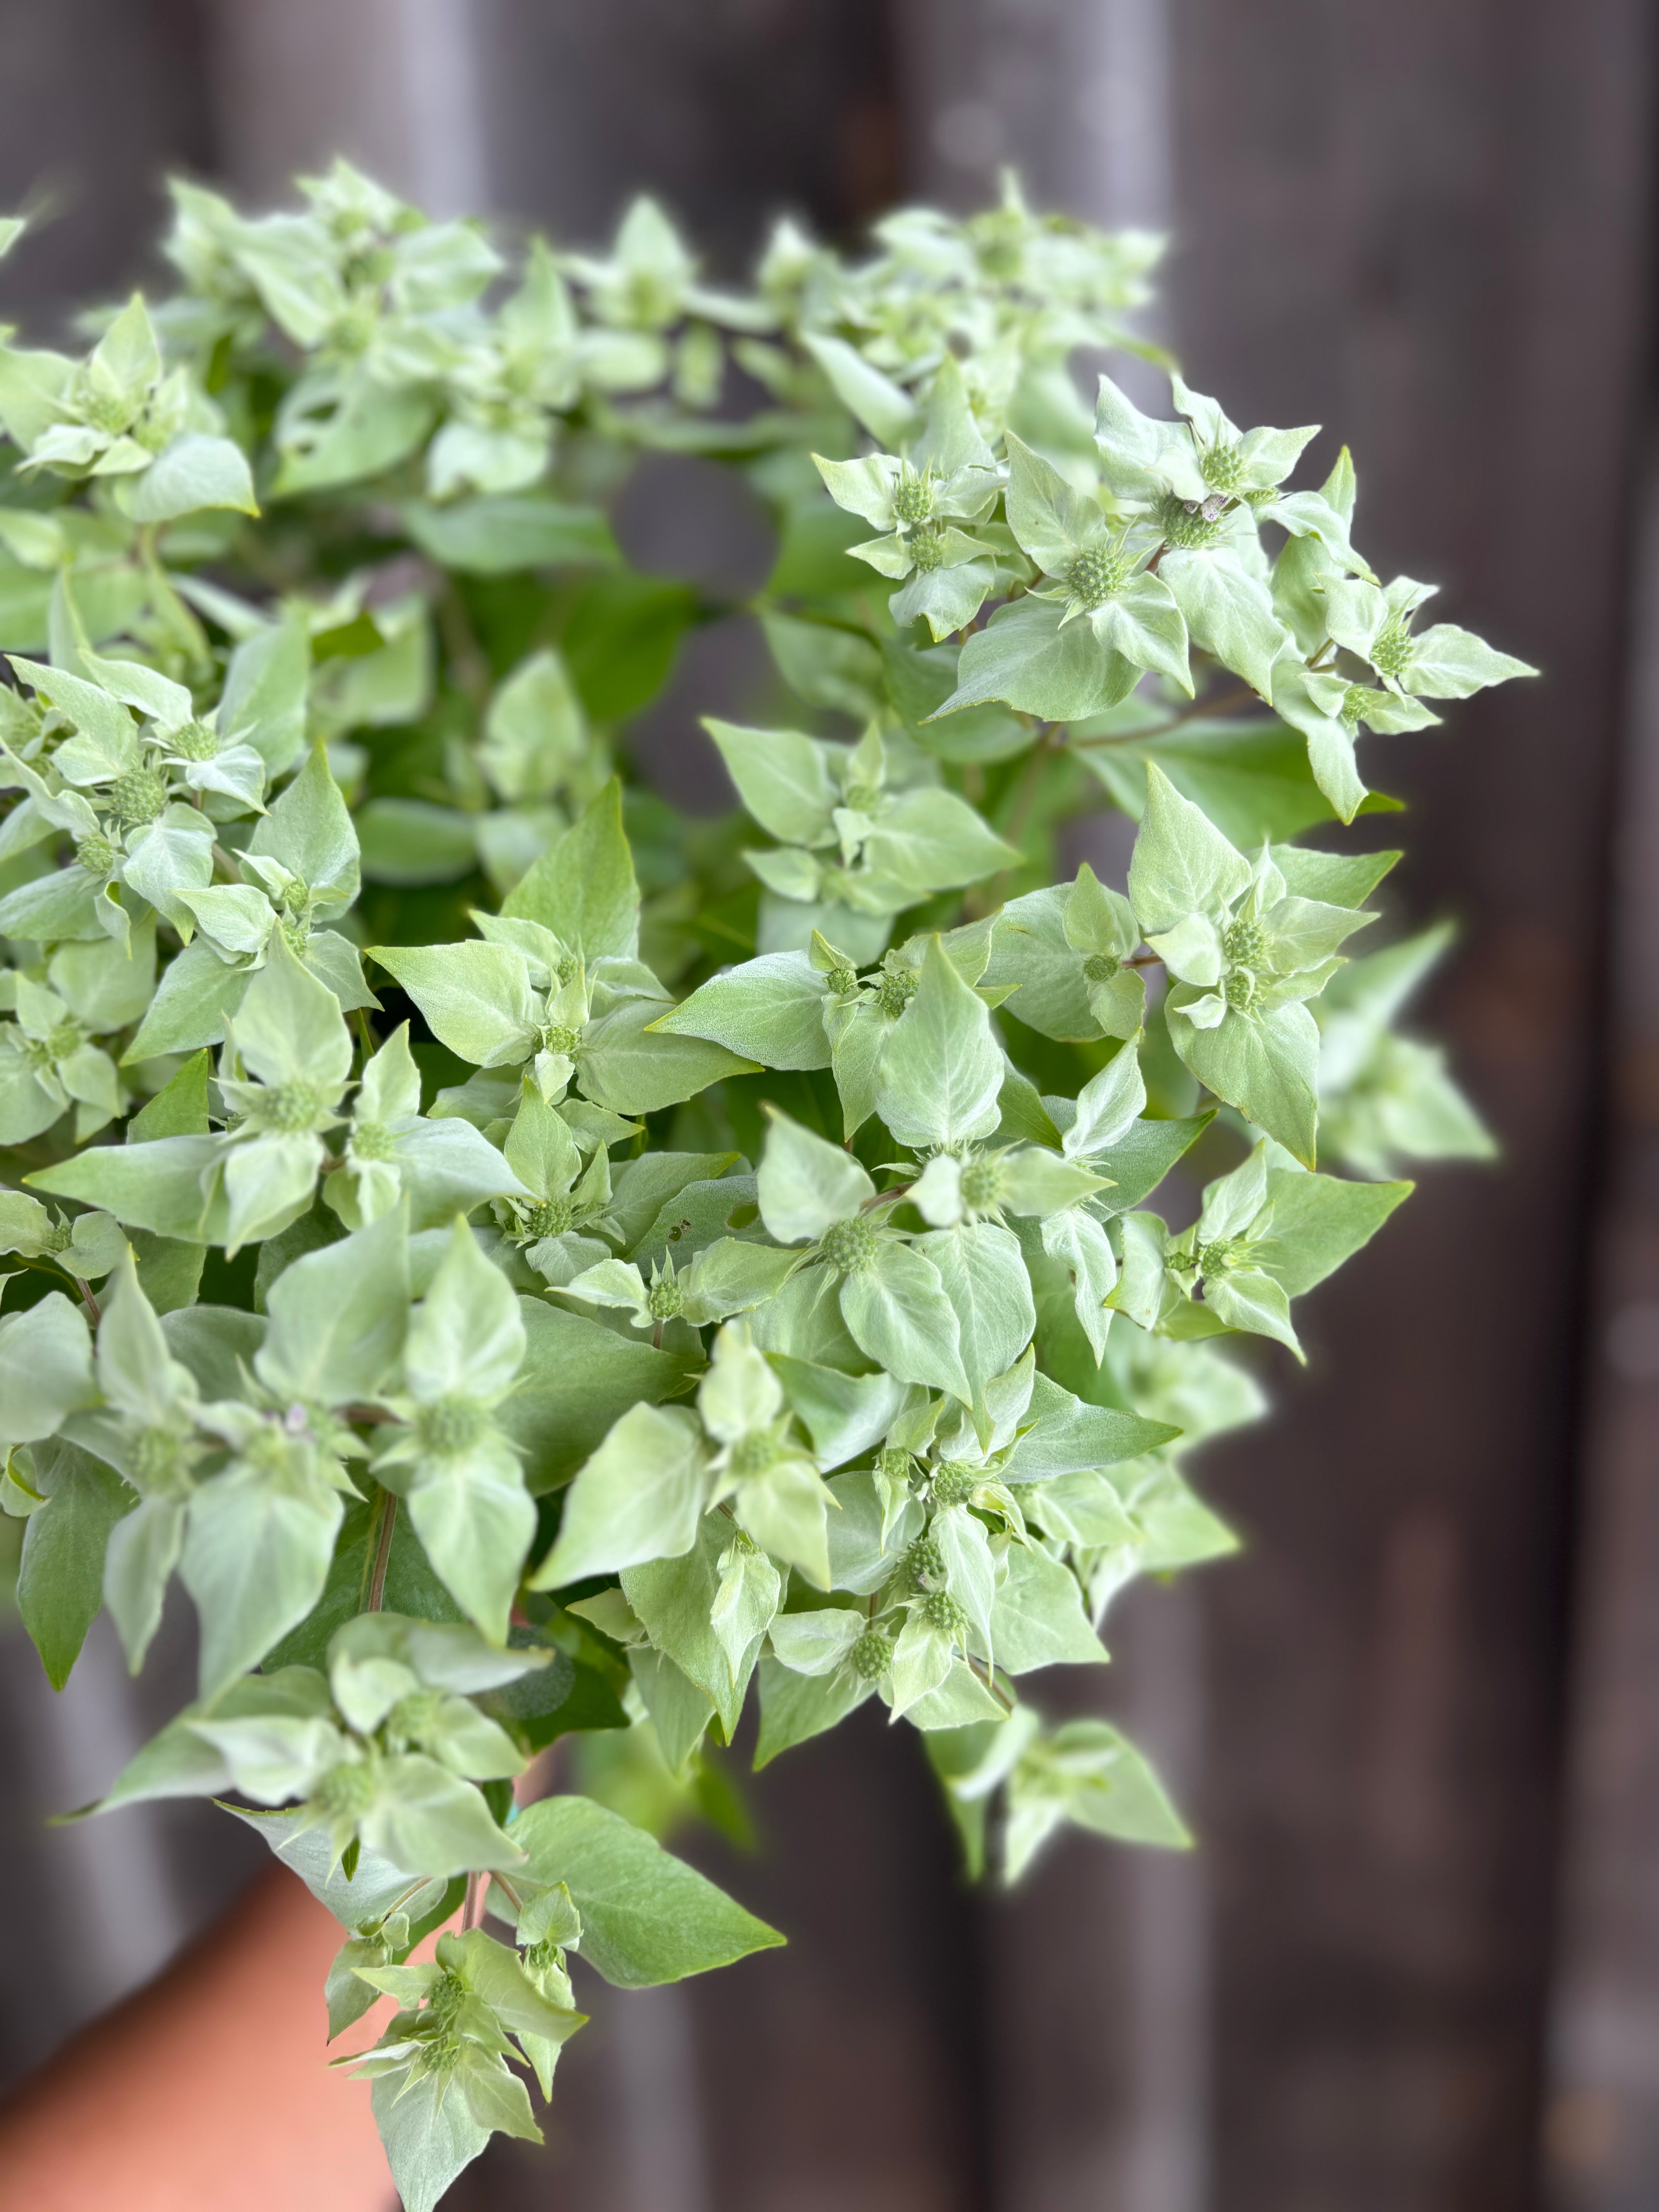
(1415, 1967)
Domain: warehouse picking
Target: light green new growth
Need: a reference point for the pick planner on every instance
(531, 1264)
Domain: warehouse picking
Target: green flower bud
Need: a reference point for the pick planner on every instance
(550, 1218)
(912, 497)
(346, 1791)
(940, 1611)
(871, 1655)
(851, 1245)
(373, 1140)
(196, 742)
(1391, 656)
(1097, 575)
(97, 853)
(895, 990)
(1243, 944)
(1221, 467)
(137, 797)
(451, 1426)
(1188, 529)
(982, 1184)
(291, 1107)
(1101, 967)
(955, 1484)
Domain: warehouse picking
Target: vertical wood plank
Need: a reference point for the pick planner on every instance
(1601, 2133)
(1425, 226)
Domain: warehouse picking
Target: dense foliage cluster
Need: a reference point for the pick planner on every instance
(532, 1265)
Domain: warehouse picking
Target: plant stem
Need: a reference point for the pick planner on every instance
(382, 1552)
(472, 1910)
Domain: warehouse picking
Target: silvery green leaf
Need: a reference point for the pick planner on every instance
(197, 992)
(267, 1183)
(1107, 1106)
(337, 1317)
(862, 487)
(428, 2133)
(475, 997)
(172, 854)
(1265, 1064)
(868, 1532)
(1037, 1618)
(745, 1601)
(796, 1707)
(1079, 1243)
(1228, 611)
(466, 1338)
(784, 779)
(647, 1917)
(1449, 663)
(921, 1660)
(640, 1497)
(196, 470)
(143, 1551)
(628, 1068)
(45, 1368)
(145, 688)
(816, 1643)
(1030, 656)
(984, 1280)
(255, 1556)
(770, 1010)
(899, 1315)
(733, 1276)
(308, 832)
(263, 705)
(1142, 623)
(476, 1522)
(674, 1599)
(1053, 520)
(428, 1821)
(584, 888)
(739, 1391)
(784, 1510)
(272, 1756)
(107, 740)
(884, 408)
(930, 841)
(960, 1701)
(1133, 447)
(1088, 1773)
(1067, 1436)
(948, 597)
(969, 1570)
(806, 1184)
(136, 1373)
(941, 1070)
(1246, 1299)
(1182, 865)
(844, 1414)
(288, 1025)
(1318, 1222)
(167, 1186)
(613, 1283)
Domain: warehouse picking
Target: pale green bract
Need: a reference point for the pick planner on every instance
(530, 1264)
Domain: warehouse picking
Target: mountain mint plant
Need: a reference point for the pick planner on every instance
(530, 1265)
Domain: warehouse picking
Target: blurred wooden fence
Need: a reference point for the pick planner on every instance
(1416, 1966)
